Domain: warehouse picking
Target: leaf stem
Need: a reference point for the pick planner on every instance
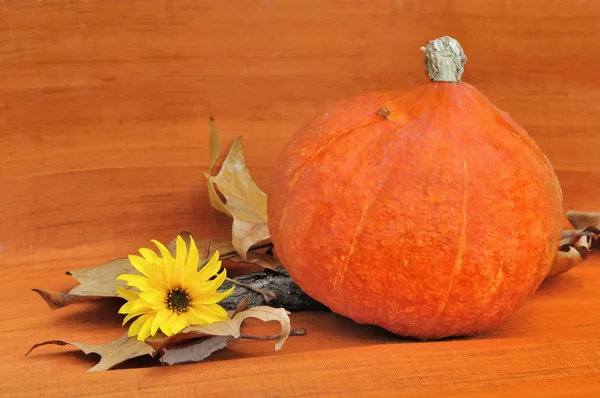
(269, 295)
(293, 332)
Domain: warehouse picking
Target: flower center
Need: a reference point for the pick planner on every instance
(178, 300)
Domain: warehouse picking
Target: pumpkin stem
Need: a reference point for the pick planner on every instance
(444, 60)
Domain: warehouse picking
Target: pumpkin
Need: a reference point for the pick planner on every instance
(427, 212)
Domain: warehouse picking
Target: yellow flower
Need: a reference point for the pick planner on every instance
(170, 292)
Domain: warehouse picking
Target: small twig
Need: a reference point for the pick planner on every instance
(293, 332)
(269, 295)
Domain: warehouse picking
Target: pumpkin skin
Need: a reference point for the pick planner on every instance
(438, 220)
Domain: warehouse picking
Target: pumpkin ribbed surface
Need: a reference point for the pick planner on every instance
(437, 218)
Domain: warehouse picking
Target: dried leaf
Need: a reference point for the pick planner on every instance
(242, 306)
(229, 328)
(111, 354)
(96, 282)
(246, 234)
(245, 202)
(576, 244)
(195, 352)
(565, 260)
(101, 280)
(208, 247)
(103, 276)
(583, 219)
(57, 300)
(261, 259)
(574, 238)
(215, 151)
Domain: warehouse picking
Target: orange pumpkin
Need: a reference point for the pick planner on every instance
(429, 212)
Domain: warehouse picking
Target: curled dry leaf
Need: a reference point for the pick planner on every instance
(245, 202)
(242, 306)
(584, 219)
(111, 354)
(207, 247)
(196, 343)
(576, 244)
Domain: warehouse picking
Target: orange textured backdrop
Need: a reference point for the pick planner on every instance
(104, 141)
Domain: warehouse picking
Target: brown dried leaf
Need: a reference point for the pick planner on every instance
(101, 280)
(57, 300)
(247, 233)
(583, 219)
(261, 259)
(194, 352)
(242, 306)
(111, 354)
(208, 247)
(215, 152)
(229, 328)
(564, 261)
(245, 202)
(96, 282)
(575, 244)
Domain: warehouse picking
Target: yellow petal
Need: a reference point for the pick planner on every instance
(159, 319)
(164, 252)
(127, 294)
(209, 298)
(158, 279)
(145, 329)
(156, 271)
(179, 324)
(209, 286)
(140, 305)
(166, 325)
(154, 297)
(211, 268)
(208, 315)
(192, 261)
(180, 256)
(137, 325)
(217, 310)
(194, 318)
(168, 261)
(126, 308)
(149, 255)
(141, 264)
(131, 315)
(139, 281)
